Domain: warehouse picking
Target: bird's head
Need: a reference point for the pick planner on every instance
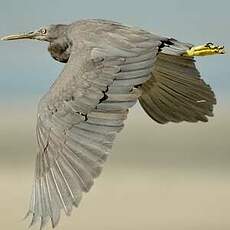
(46, 33)
(56, 35)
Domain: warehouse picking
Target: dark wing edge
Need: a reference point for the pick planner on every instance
(80, 116)
(176, 92)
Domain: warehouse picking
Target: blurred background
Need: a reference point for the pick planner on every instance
(167, 177)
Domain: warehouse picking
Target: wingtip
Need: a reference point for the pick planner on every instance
(33, 221)
(26, 216)
(3, 38)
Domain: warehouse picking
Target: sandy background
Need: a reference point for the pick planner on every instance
(158, 177)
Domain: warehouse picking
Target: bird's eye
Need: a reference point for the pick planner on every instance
(44, 31)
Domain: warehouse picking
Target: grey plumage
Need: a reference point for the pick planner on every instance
(108, 68)
(175, 92)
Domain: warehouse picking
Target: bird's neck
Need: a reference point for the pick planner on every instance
(60, 50)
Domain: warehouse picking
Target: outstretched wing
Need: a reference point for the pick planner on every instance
(175, 92)
(80, 115)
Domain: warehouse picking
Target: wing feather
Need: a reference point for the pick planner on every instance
(175, 92)
(86, 106)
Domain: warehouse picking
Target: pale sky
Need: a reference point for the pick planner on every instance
(27, 70)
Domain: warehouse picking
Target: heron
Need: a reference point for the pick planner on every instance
(108, 68)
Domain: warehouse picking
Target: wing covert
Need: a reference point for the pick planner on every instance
(81, 114)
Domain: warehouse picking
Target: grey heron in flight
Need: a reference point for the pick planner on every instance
(109, 67)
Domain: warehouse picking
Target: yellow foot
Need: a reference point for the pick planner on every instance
(204, 50)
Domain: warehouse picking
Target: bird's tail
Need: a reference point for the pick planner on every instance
(175, 92)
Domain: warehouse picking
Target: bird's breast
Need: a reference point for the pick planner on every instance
(60, 51)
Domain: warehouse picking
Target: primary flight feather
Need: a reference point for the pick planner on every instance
(108, 68)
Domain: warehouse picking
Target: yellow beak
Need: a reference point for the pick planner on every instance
(29, 35)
